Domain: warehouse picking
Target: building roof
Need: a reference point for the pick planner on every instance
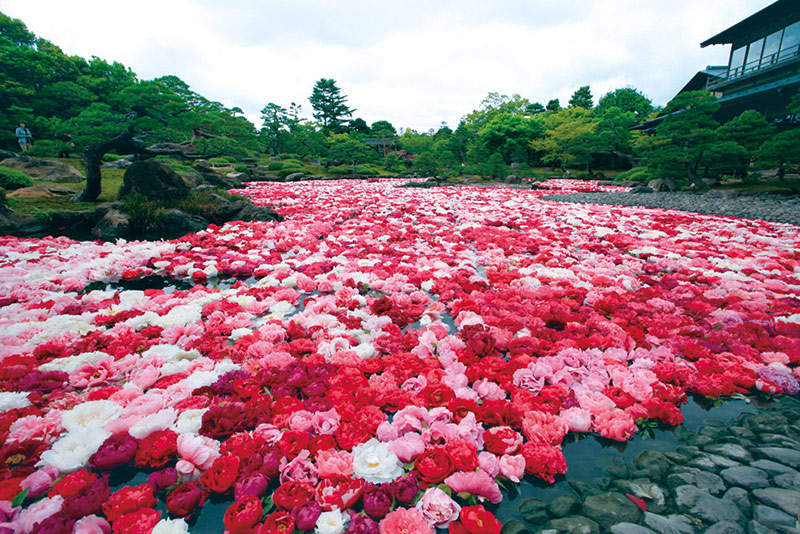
(781, 13)
(699, 81)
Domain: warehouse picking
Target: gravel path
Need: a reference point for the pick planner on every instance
(776, 208)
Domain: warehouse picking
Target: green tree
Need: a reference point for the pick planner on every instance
(781, 153)
(553, 105)
(329, 104)
(582, 98)
(684, 136)
(511, 136)
(275, 127)
(749, 129)
(348, 149)
(359, 126)
(627, 99)
(570, 138)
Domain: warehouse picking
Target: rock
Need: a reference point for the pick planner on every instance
(513, 179)
(702, 479)
(534, 511)
(515, 527)
(564, 505)
(250, 212)
(730, 450)
(582, 489)
(673, 524)
(785, 499)
(611, 508)
(44, 170)
(771, 517)
(192, 179)
(574, 524)
(42, 191)
(711, 462)
(701, 504)
(294, 177)
(75, 222)
(773, 468)
(643, 489)
(788, 481)
(21, 224)
(114, 225)
(740, 498)
(620, 469)
(153, 180)
(778, 454)
(641, 189)
(745, 477)
(765, 422)
(122, 163)
(754, 527)
(514, 165)
(725, 527)
(653, 465)
(178, 223)
(663, 184)
(315, 161)
(630, 528)
(240, 176)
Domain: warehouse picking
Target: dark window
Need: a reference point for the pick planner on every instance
(754, 55)
(771, 47)
(791, 40)
(737, 62)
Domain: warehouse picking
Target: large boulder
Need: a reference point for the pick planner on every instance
(114, 225)
(42, 191)
(44, 170)
(153, 180)
(122, 163)
(663, 184)
(513, 179)
(294, 177)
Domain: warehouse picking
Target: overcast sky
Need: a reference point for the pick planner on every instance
(414, 63)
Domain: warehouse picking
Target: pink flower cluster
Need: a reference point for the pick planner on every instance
(384, 350)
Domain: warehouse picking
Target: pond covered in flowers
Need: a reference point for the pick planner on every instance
(384, 359)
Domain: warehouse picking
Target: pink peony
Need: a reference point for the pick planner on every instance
(334, 463)
(405, 521)
(476, 483)
(438, 508)
(616, 425)
(512, 467)
(408, 447)
(543, 427)
(577, 419)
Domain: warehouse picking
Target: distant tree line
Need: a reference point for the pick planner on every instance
(91, 101)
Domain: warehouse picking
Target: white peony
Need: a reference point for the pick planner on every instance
(161, 420)
(11, 400)
(90, 415)
(72, 451)
(171, 526)
(375, 463)
(189, 421)
(333, 522)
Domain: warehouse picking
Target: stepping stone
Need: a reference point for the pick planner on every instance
(772, 517)
(786, 500)
(788, 457)
(673, 524)
(745, 477)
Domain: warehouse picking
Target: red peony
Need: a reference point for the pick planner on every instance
(464, 454)
(277, 523)
(186, 498)
(222, 474)
(502, 440)
(543, 461)
(243, 514)
(138, 522)
(129, 499)
(475, 520)
(293, 494)
(157, 449)
(433, 466)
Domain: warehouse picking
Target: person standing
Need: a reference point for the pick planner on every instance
(24, 137)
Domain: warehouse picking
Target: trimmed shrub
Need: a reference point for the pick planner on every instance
(275, 165)
(14, 179)
(292, 162)
(340, 170)
(46, 148)
(636, 174)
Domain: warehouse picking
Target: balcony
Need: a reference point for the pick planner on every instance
(762, 65)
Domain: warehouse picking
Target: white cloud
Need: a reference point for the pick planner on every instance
(413, 63)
